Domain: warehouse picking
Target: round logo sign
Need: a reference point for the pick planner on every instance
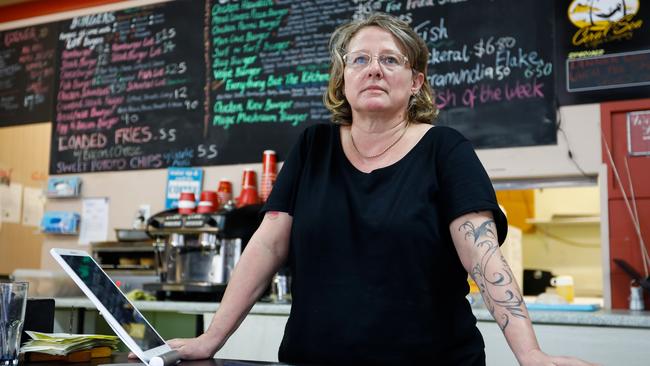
(597, 13)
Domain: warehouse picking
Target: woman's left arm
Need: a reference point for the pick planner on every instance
(475, 239)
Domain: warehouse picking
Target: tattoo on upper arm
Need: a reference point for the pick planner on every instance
(272, 215)
(497, 287)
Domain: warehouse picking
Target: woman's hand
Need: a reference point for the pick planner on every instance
(539, 358)
(194, 348)
(198, 348)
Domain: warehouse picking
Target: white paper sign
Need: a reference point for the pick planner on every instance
(10, 200)
(94, 220)
(33, 205)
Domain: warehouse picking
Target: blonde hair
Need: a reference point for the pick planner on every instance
(421, 108)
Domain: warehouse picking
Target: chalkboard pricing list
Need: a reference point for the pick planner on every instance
(501, 72)
(269, 61)
(135, 93)
(505, 59)
(26, 74)
(124, 91)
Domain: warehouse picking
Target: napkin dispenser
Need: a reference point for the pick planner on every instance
(60, 222)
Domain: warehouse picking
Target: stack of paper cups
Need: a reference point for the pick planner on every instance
(269, 172)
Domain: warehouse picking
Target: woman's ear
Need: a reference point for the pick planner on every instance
(418, 80)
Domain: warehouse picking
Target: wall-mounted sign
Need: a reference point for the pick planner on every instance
(616, 70)
(638, 133)
(182, 180)
(602, 45)
(603, 21)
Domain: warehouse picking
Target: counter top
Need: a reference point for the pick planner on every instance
(602, 318)
(120, 358)
(185, 307)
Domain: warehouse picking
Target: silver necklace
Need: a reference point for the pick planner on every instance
(384, 151)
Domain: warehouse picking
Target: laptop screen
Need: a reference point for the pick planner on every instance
(112, 298)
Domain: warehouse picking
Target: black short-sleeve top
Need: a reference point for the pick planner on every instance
(375, 275)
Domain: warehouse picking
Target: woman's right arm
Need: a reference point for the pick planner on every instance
(264, 255)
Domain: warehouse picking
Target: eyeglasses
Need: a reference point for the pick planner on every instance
(360, 60)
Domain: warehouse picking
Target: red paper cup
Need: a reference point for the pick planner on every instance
(186, 203)
(224, 192)
(247, 197)
(249, 179)
(208, 203)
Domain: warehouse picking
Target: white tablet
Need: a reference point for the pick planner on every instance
(127, 322)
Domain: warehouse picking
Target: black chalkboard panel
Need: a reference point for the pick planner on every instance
(211, 82)
(27, 73)
(603, 50)
(130, 90)
(269, 70)
(491, 67)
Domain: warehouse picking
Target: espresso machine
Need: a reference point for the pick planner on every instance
(195, 254)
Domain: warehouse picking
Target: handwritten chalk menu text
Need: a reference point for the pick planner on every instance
(269, 70)
(130, 90)
(27, 72)
(490, 67)
(192, 83)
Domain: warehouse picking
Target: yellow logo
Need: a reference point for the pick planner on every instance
(603, 21)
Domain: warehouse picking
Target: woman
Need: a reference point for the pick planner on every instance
(380, 216)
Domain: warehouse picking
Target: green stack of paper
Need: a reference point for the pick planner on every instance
(63, 343)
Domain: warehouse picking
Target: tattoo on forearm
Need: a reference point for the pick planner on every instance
(498, 288)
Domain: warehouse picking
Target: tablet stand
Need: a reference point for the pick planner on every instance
(170, 358)
(166, 359)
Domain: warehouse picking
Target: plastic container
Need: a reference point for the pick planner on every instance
(564, 287)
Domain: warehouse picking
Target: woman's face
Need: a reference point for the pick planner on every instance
(372, 88)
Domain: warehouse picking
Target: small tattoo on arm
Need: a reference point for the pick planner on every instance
(272, 215)
(497, 288)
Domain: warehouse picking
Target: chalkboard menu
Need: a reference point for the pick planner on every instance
(27, 72)
(491, 67)
(603, 50)
(130, 90)
(269, 69)
(191, 83)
